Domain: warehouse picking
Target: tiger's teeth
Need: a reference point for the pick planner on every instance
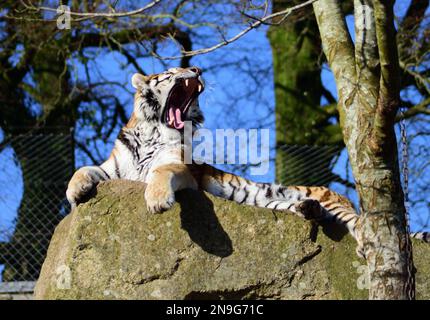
(199, 88)
(186, 82)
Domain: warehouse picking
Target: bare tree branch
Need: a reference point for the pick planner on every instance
(366, 50)
(410, 25)
(421, 108)
(337, 45)
(89, 15)
(285, 13)
(389, 83)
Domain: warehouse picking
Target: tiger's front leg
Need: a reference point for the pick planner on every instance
(83, 182)
(162, 184)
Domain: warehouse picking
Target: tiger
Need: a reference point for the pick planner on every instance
(150, 148)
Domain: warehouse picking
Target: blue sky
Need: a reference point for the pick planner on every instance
(224, 82)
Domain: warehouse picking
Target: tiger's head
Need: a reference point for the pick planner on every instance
(169, 98)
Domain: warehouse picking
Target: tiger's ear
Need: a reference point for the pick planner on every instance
(138, 80)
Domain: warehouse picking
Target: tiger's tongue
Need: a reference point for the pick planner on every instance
(175, 116)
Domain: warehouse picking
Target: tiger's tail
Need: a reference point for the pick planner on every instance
(300, 200)
(330, 205)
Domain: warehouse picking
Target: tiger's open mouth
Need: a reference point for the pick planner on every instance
(179, 100)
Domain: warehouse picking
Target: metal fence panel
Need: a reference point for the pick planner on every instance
(34, 171)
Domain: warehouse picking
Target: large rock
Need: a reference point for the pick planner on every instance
(112, 248)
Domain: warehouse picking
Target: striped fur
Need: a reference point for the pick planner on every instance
(150, 149)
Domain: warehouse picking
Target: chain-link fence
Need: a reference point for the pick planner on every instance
(310, 165)
(34, 171)
(307, 165)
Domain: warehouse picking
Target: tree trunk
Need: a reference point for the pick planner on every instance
(367, 80)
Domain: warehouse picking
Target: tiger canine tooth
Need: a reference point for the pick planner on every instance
(199, 88)
(186, 82)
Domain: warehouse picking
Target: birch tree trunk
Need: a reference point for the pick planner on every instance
(367, 80)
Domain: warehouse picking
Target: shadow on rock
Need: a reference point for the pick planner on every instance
(199, 220)
(334, 231)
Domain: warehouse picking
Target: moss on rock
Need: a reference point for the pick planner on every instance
(203, 248)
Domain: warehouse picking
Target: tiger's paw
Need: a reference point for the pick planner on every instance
(309, 209)
(159, 198)
(81, 185)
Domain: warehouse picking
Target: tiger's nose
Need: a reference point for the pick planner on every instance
(196, 70)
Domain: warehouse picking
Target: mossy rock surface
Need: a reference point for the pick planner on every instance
(203, 248)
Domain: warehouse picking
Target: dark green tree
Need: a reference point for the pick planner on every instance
(300, 118)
